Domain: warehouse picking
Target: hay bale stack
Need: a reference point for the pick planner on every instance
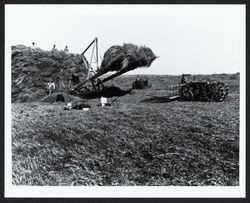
(127, 57)
(33, 68)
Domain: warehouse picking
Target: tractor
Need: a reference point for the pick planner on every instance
(207, 91)
(194, 90)
(141, 83)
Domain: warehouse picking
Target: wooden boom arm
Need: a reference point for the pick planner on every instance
(115, 75)
(102, 72)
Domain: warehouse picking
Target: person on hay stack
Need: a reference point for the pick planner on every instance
(66, 50)
(53, 49)
(33, 45)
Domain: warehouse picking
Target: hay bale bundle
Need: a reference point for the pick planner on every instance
(127, 57)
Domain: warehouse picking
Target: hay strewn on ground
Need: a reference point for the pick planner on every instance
(178, 143)
(33, 68)
(128, 56)
(130, 142)
(55, 97)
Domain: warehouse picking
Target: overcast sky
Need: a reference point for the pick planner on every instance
(188, 38)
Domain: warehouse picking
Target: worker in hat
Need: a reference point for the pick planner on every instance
(54, 47)
(183, 79)
(66, 50)
(33, 45)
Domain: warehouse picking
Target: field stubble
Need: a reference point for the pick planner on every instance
(129, 143)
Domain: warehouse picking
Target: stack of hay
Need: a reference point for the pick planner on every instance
(33, 68)
(127, 57)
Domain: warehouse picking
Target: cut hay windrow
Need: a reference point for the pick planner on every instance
(127, 57)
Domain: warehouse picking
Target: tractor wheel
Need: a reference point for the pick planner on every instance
(218, 91)
(187, 95)
(222, 91)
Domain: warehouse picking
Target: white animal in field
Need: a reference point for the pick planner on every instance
(51, 87)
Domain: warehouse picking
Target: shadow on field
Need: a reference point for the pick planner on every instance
(155, 99)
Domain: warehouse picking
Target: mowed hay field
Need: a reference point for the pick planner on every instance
(136, 141)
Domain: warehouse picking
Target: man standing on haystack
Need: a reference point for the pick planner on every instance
(53, 49)
(66, 50)
(33, 46)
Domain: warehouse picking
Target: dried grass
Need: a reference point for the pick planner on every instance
(128, 56)
(128, 143)
(32, 69)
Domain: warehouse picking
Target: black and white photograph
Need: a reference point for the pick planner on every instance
(125, 100)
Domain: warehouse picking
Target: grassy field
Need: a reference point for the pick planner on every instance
(136, 141)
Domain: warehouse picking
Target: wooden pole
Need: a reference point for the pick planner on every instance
(88, 47)
(96, 43)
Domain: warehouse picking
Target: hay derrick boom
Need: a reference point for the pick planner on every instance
(120, 59)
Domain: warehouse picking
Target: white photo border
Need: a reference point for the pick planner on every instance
(120, 191)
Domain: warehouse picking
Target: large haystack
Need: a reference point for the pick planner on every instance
(33, 68)
(128, 57)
